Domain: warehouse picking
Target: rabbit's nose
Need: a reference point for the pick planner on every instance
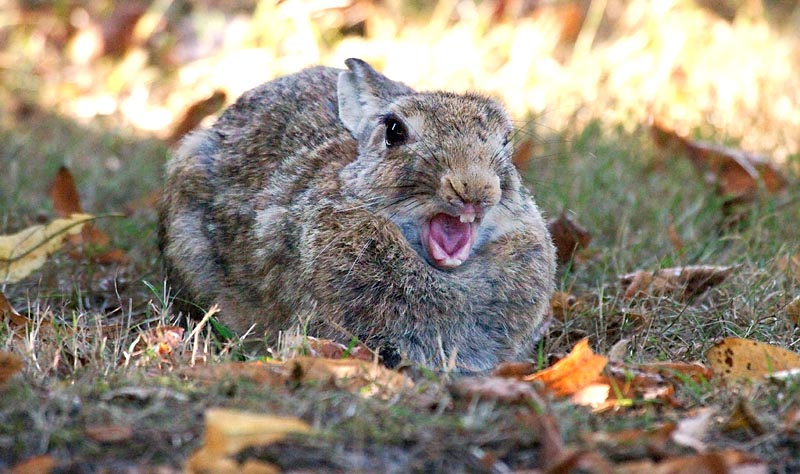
(471, 191)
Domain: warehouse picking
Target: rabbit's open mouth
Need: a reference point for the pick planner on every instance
(449, 239)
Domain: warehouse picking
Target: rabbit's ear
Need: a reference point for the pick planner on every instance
(362, 93)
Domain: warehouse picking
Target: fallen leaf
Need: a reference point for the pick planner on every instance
(683, 281)
(632, 443)
(500, 389)
(691, 430)
(789, 264)
(35, 465)
(734, 359)
(10, 315)
(158, 343)
(334, 350)
(736, 174)
(523, 152)
(793, 311)
(358, 376)
(230, 431)
(720, 462)
(10, 364)
(742, 418)
(27, 250)
(196, 113)
(694, 371)
(568, 236)
(514, 369)
(66, 201)
(563, 304)
(580, 368)
(109, 433)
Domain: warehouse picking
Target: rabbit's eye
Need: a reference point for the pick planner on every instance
(396, 133)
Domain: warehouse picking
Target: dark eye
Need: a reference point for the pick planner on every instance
(396, 133)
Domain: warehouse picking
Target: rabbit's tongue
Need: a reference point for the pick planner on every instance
(449, 239)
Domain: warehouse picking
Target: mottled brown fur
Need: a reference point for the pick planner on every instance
(291, 212)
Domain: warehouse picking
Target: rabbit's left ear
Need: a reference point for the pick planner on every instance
(363, 92)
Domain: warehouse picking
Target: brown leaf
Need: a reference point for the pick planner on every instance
(691, 430)
(358, 376)
(334, 350)
(695, 371)
(66, 201)
(35, 465)
(523, 151)
(514, 369)
(568, 236)
(196, 113)
(10, 364)
(736, 174)
(789, 264)
(158, 342)
(685, 282)
(720, 462)
(500, 389)
(10, 315)
(734, 359)
(632, 443)
(64, 194)
(578, 369)
(743, 418)
(563, 304)
(109, 433)
(793, 311)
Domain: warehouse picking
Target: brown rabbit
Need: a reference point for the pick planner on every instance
(343, 204)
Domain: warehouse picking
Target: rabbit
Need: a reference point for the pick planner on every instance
(342, 204)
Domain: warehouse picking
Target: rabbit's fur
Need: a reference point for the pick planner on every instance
(310, 206)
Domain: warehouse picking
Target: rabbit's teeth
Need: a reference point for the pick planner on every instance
(467, 218)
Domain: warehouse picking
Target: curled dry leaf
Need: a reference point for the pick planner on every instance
(9, 315)
(563, 304)
(691, 430)
(66, 202)
(27, 250)
(793, 311)
(158, 343)
(734, 359)
(36, 465)
(501, 389)
(720, 462)
(334, 350)
(358, 376)
(514, 369)
(736, 174)
(196, 113)
(684, 281)
(10, 364)
(109, 433)
(230, 431)
(743, 418)
(632, 443)
(568, 236)
(580, 368)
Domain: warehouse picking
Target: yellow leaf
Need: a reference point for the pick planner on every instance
(230, 431)
(26, 251)
(736, 359)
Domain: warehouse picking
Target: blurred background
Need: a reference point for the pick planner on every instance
(727, 68)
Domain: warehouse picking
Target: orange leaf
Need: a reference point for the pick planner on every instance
(735, 359)
(196, 113)
(578, 369)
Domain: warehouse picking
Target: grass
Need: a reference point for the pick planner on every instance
(617, 185)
